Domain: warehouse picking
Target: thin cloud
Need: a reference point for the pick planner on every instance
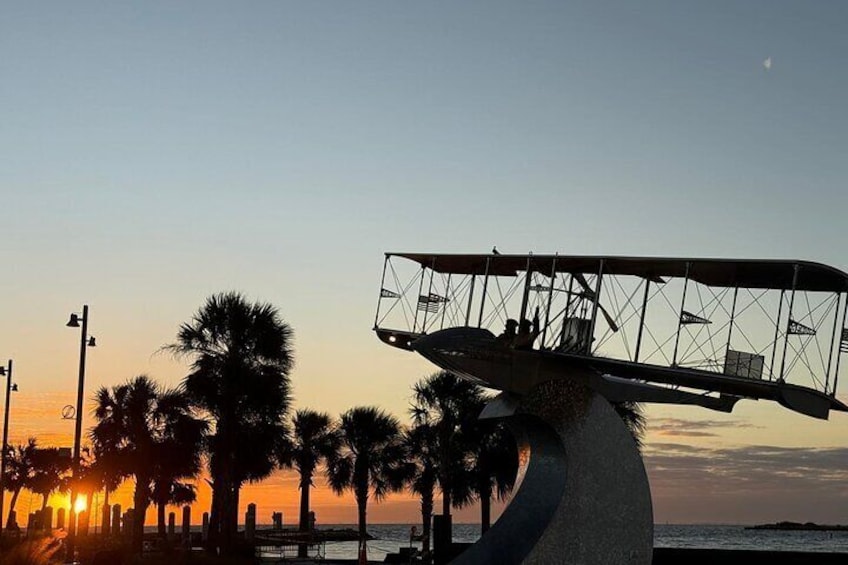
(749, 468)
(677, 427)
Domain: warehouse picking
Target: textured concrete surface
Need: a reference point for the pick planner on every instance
(583, 496)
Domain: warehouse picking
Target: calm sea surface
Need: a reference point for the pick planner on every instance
(392, 536)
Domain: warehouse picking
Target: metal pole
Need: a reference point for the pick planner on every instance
(420, 288)
(832, 342)
(567, 307)
(732, 315)
(776, 334)
(839, 355)
(382, 286)
(594, 318)
(642, 321)
(483, 298)
(550, 299)
(526, 295)
(429, 293)
(447, 299)
(680, 317)
(5, 443)
(470, 299)
(786, 337)
(72, 529)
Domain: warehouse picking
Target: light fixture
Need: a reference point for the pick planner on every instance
(91, 342)
(2, 371)
(14, 387)
(73, 322)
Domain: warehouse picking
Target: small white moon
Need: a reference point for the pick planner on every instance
(767, 64)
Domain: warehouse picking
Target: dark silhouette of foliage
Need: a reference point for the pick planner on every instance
(633, 416)
(49, 468)
(315, 439)
(102, 471)
(495, 465)
(372, 459)
(142, 425)
(423, 449)
(451, 406)
(19, 471)
(168, 490)
(241, 356)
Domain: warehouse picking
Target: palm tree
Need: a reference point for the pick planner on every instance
(104, 473)
(241, 356)
(422, 446)
(49, 467)
(315, 438)
(144, 424)
(19, 469)
(372, 458)
(633, 416)
(495, 466)
(170, 491)
(451, 405)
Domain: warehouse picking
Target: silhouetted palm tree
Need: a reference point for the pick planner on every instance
(49, 468)
(105, 474)
(315, 439)
(372, 459)
(422, 446)
(451, 406)
(633, 416)
(495, 466)
(170, 491)
(19, 469)
(241, 356)
(143, 425)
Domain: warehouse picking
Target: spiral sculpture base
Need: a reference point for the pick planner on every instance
(582, 495)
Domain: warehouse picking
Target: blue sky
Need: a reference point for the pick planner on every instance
(154, 153)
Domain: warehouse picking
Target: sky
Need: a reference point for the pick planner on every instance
(156, 153)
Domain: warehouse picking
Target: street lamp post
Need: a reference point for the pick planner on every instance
(9, 388)
(85, 341)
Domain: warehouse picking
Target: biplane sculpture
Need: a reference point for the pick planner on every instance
(555, 333)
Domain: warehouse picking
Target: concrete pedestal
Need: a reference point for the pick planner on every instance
(582, 494)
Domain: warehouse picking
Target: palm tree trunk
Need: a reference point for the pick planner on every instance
(106, 524)
(140, 502)
(361, 494)
(214, 517)
(12, 503)
(44, 498)
(485, 507)
(225, 540)
(160, 519)
(235, 511)
(362, 513)
(426, 519)
(305, 481)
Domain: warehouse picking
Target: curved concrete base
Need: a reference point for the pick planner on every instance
(582, 495)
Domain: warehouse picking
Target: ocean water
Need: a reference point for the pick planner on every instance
(390, 537)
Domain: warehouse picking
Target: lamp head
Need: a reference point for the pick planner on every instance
(15, 387)
(73, 322)
(92, 342)
(2, 371)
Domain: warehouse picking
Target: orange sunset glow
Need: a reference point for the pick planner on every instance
(549, 277)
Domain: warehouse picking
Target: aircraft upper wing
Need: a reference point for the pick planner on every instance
(743, 273)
